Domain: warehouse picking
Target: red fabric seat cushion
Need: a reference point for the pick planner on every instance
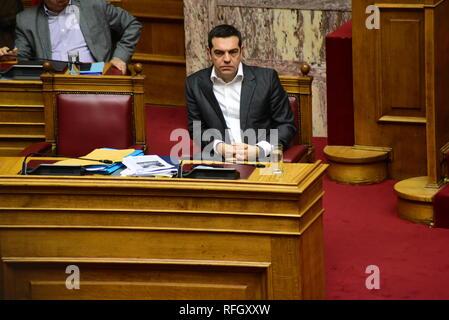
(90, 121)
(161, 124)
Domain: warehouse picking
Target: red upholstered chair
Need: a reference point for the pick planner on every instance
(162, 137)
(83, 113)
(299, 89)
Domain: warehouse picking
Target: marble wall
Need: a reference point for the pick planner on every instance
(280, 34)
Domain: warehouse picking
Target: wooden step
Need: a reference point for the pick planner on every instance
(355, 165)
(415, 200)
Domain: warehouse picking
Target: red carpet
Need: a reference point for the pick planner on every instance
(361, 228)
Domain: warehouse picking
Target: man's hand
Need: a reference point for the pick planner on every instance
(246, 152)
(5, 51)
(119, 64)
(238, 152)
(227, 151)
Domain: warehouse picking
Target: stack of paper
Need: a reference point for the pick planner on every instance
(150, 165)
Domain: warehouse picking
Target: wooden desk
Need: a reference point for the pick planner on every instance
(21, 115)
(147, 238)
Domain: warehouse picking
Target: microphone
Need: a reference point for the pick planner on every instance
(24, 163)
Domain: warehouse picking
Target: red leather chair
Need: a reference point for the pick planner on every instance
(299, 90)
(161, 123)
(83, 113)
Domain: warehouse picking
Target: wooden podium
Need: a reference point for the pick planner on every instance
(401, 76)
(148, 238)
(401, 96)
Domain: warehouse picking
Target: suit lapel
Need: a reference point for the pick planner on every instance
(208, 91)
(246, 95)
(44, 33)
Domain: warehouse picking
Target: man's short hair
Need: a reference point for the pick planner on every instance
(223, 31)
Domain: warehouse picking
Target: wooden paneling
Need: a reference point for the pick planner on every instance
(149, 238)
(161, 49)
(389, 99)
(167, 88)
(402, 84)
(21, 115)
(438, 134)
(43, 278)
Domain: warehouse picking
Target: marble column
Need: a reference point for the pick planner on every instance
(279, 34)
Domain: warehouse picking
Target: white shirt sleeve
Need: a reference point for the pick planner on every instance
(266, 146)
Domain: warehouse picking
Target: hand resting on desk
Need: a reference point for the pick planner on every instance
(7, 54)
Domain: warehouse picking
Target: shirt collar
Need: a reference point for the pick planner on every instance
(48, 12)
(238, 77)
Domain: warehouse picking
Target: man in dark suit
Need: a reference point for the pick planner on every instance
(51, 29)
(237, 111)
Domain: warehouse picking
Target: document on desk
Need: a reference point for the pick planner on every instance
(114, 155)
(149, 165)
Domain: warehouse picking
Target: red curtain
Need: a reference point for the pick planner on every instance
(34, 2)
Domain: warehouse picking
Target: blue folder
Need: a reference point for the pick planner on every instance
(95, 69)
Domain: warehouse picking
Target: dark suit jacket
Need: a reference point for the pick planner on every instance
(97, 19)
(263, 104)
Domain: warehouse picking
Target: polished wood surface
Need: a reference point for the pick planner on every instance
(375, 87)
(438, 129)
(149, 238)
(161, 49)
(399, 99)
(21, 115)
(404, 105)
(356, 166)
(415, 199)
(347, 154)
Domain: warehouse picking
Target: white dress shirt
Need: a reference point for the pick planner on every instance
(228, 96)
(65, 34)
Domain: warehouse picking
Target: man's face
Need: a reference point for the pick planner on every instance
(226, 56)
(56, 5)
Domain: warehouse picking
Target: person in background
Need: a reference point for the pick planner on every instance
(8, 11)
(52, 28)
